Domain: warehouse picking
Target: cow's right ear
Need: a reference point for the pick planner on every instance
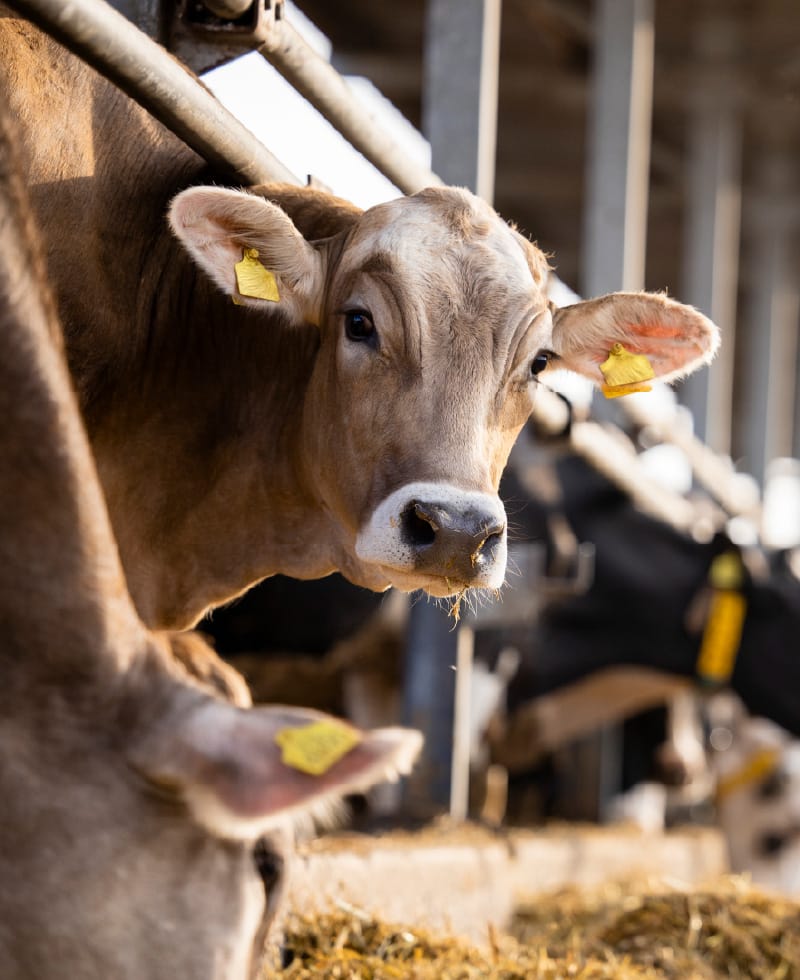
(223, 228)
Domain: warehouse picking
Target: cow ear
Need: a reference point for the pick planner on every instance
(244, 771)
(222, 228)
(676, 339)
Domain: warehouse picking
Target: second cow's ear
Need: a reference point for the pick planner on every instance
(242, 772)
(250, 248)
(676, 339)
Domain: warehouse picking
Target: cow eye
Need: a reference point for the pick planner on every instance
(540, 362)
(358, 325)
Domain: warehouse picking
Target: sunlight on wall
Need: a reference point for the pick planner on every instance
(299, 136)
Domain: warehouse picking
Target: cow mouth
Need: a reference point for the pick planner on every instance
(436, 537)
(439, 587)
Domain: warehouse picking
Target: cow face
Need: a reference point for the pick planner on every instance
(435, 329)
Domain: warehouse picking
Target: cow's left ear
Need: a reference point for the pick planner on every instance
(250, 248)
(676, 339)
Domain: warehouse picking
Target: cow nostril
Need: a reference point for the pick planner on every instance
(418, 525)
(490, 542)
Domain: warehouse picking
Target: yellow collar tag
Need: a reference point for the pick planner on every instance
(722, 635)
(760, 765)
(255, 280)
(314, 748)
(624, 372)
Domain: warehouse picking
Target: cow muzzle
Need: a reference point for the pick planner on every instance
(437, 537)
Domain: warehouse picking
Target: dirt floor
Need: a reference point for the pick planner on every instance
(634, 929)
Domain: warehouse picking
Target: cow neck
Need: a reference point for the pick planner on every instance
(65, 611)
(173, 381)
(206, 382)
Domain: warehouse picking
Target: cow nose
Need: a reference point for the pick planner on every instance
(458, 542)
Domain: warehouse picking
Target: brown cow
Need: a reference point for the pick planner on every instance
(131, 798)
(359, 422)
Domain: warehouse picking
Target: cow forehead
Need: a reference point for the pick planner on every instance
(438, 235)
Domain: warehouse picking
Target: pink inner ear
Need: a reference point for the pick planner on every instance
(252, 787)
(661, 330)
(675, 338)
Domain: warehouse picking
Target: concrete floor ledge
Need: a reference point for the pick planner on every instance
(461, 879)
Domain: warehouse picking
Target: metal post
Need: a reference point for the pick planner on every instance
(429, 705)
(462, 722)
(713, 220)
(770, 382)
(619, 147)
(615, 233)
(460, 92)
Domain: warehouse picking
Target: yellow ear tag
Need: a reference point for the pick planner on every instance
(624, 372)
(314, 748)
(253, 279)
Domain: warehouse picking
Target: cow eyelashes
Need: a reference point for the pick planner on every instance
(540, 362)
(358, 326)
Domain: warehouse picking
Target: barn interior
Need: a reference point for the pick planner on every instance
(645, 144)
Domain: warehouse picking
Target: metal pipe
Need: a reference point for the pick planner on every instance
(113, 46)
(317, 81)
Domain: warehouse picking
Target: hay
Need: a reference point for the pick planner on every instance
(618, 932)
(728, 930)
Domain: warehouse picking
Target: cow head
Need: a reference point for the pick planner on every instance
(434, 332)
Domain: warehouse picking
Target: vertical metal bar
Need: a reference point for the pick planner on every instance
(783, 344)
(770, 383)
(615, 232)
(459, 776)
(429, 705)
(712, 262)
(713, 219)
(619, 147)
(460, 91)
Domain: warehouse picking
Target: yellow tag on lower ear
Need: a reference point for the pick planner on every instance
(253, 279)
(624, 372)
(314, 748)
